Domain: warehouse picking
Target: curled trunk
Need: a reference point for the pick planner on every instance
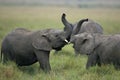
(68, 27)
(77, 29)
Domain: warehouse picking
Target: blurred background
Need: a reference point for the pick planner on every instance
(71, 3)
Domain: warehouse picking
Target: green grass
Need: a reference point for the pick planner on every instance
(65, 66)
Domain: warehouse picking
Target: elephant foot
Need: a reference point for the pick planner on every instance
(117, 67)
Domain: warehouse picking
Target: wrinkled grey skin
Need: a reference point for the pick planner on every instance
(88, 26)
(26, 47)
(84, 25)
(101, 49)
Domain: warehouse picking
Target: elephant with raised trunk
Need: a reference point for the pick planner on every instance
(101, 49)
(84, 25)
(67, 24)
(26, 47)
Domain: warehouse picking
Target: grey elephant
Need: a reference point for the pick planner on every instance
(26, 47)
(87, 25)
(84, 25)
(101, 49)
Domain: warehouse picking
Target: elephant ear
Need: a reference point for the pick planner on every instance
(42, 43)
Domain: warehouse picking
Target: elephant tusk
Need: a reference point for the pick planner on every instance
(66, 41)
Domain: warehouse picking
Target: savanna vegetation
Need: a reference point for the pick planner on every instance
(65, 66)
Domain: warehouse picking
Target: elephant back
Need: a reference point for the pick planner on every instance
(91, 27)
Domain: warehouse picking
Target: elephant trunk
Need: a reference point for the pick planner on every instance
(77, 29)
(68, 27)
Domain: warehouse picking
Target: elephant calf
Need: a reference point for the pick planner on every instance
(26, 47)
(83, 25)
(101, 49)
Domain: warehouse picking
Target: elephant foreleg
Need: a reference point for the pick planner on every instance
(92, 60)
(43, 58)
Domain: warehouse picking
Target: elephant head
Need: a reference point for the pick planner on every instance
(57, 38)
(83, 43)
(51, 39)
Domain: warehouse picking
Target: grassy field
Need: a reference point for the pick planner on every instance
(65, 66)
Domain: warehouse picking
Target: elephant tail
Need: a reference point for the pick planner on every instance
(1, 56)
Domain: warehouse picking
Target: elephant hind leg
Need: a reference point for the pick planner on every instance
(5, 59)
(116, 65)
(98, 61)
(7, 56)
(43, 58)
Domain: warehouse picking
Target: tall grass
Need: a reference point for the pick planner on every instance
(65, 66)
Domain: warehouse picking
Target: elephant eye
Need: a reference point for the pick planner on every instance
(84, 41)
(56, 35)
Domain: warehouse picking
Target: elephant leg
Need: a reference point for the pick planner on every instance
(117, 67)
(98, 61)
(43, 58)
(92, 60)
(6, 58)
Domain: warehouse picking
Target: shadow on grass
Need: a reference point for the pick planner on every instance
(31, 70)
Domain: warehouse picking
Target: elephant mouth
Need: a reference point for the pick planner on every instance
(88, 54)
(59, 46)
